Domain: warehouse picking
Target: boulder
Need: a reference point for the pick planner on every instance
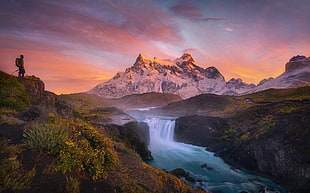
(179, 172)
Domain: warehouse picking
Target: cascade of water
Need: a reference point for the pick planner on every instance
(161, 130)
(218, 176)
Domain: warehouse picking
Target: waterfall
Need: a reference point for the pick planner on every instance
(217, 177)
(161, 131)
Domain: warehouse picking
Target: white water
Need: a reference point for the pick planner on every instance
(217, 177)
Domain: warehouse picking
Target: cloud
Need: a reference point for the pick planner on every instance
(80, 36)
(188, 9)
(212, 19)
(108, 25)
(229, 29)
(189, 50)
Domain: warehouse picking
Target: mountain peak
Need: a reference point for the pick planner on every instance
(187, 57)
(141, 58)
(297, 62)
(297, 58)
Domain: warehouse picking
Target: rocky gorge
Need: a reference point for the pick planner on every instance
(271, 140)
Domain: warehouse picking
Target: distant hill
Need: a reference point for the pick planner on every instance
(223, 106)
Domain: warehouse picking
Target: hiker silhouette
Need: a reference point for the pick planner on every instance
(19, 62)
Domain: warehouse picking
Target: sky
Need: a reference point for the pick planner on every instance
(73, 45)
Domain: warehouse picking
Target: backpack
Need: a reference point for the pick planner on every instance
(17, 62)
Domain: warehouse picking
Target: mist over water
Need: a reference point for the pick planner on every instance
(215, 176)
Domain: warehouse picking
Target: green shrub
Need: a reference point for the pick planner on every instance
(77, 146)
(47, 136)
(88, 150)
(70, 158)
(12, 175)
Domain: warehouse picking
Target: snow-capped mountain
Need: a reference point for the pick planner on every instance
(297, 74)
(185, 78)
(181, 76)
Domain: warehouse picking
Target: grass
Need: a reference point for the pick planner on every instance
(76, 145)
(12, 93)
(277, 95)
(12, 175)
(47, 136)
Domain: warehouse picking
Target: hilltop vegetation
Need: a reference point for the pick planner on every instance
(12, 93)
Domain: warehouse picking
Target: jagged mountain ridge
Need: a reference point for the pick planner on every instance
(181, 76)
(184, 77)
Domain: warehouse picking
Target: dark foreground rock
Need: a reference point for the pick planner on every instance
(272, 140)
(135, 135)
(181, 173)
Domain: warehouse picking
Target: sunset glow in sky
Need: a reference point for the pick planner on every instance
(72, 45)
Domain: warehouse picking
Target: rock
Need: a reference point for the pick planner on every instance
(264, 81)
(31, 114)
(254, 179)
(276, 148)
(189, 178)
(179, 172)
(187, 57)
(204, 165)
(134, 135)
(261, 190)
(34, 88)
(297, 62)
(297, 58)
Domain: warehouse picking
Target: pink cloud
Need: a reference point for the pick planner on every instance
(189, 50)
(188, 9)
(78, 37)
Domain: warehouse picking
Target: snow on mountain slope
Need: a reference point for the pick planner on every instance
(181, 76)
(297, 74)
(185, 78)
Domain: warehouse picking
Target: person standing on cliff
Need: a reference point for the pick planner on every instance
(19, 62)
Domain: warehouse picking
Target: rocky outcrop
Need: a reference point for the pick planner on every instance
(271, 139)
(297, 62)
(135, 136)
(264, 81)
(34, 88)
(199, 130)
(42, 102)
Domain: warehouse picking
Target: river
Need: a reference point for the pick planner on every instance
(210, 173)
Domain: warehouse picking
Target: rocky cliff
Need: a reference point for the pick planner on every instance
(270, 139)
